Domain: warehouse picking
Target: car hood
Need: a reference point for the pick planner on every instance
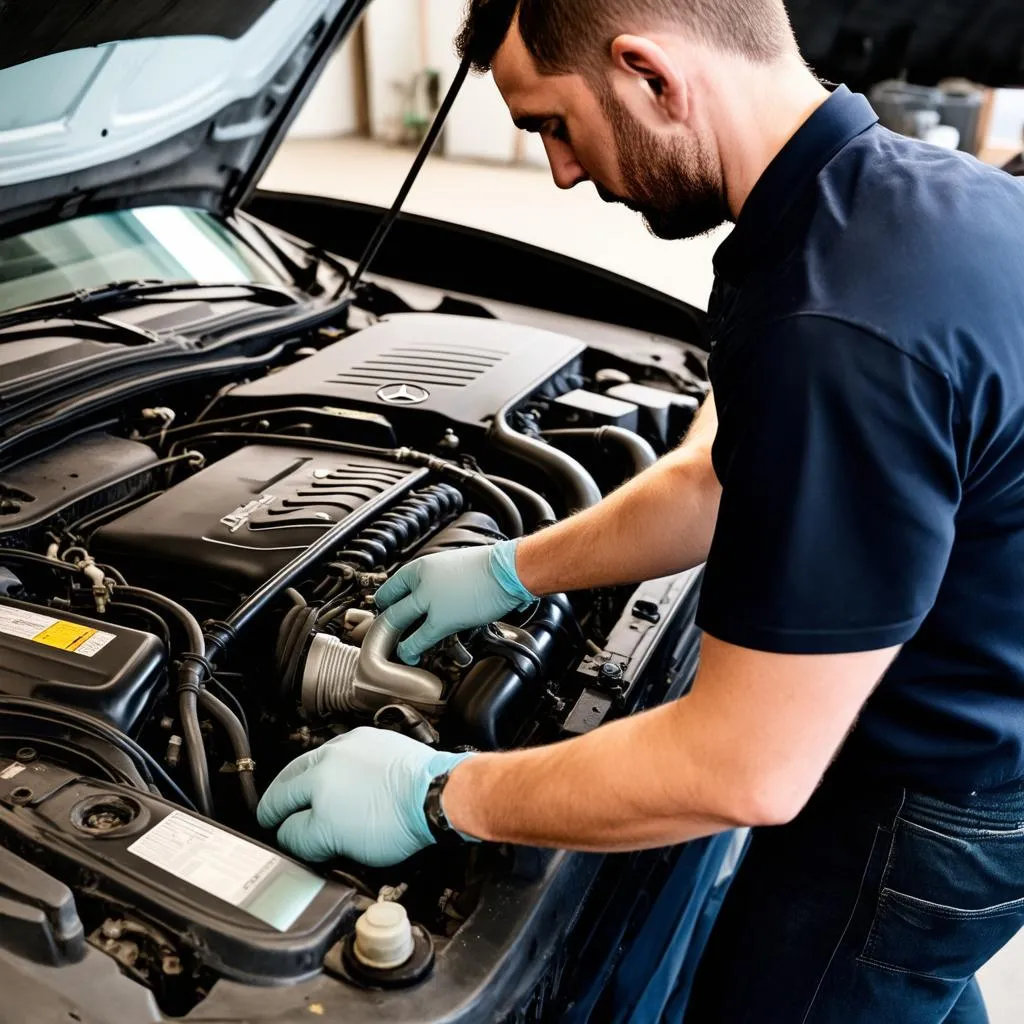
(129, 102)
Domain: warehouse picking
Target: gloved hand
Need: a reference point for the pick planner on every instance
(454, 590)
(360, 796)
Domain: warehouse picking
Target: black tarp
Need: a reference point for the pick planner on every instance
(861, 42)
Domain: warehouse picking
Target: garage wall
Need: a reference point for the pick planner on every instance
(331, 107)
(1007, 124)
(403, 36)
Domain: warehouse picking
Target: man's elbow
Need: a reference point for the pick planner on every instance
(765, 800)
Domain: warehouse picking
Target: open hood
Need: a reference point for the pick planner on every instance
(127, 102)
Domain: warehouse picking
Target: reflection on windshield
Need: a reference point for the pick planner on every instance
(164, 243)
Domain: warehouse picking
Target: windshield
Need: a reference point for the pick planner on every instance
(162, 243)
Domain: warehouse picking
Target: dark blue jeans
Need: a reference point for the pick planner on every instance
(874, 906)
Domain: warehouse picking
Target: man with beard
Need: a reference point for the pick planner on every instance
(857, 496)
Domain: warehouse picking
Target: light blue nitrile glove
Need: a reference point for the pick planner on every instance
(360, 796)
(454, 590)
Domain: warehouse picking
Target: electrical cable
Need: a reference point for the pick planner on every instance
(148, 766)
(95, 519)
(99, 766)
(124, 478)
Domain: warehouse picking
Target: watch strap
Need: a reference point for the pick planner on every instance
(433, 810)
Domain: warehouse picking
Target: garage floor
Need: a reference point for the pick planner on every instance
(523, 203)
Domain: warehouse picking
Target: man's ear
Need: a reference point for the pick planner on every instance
(645, 60)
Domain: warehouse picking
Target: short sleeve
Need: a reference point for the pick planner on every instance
(840, 485)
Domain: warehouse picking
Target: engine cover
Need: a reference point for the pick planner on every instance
(459, 369)
(240, 520)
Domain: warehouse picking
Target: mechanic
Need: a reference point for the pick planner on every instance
(856, 489)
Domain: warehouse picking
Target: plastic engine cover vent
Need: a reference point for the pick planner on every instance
(460, 369)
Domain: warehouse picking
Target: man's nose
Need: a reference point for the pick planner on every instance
(566, 170)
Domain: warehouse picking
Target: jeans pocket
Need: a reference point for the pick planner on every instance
(947, 902)
(914, 936)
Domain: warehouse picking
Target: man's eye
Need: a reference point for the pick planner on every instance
(559, 131)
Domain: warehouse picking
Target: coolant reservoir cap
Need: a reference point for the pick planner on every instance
(384, 936)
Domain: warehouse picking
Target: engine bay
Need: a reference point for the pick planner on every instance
(186, 604)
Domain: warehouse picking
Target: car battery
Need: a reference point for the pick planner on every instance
(664, 415)
(108, 670)
(581, 408)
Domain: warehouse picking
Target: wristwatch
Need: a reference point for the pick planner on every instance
(440, 827)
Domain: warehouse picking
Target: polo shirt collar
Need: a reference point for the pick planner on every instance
(839, 120)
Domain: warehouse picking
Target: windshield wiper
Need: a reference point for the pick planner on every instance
(124, 293)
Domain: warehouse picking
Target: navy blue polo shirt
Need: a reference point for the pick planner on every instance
(868, 369)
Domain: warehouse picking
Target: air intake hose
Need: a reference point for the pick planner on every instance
(338, 677)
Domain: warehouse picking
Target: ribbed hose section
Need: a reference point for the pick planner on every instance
(328, 675)
(403, 527)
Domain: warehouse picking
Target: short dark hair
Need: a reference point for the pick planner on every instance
(565, 36)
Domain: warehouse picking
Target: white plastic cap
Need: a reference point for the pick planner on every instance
(384, 936)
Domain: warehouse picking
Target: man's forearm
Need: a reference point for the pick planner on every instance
(746, 746)
(660, 522)
(609, 790)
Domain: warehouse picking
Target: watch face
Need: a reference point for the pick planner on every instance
(437, 821)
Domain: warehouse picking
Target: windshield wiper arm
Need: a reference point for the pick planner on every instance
(122, 293)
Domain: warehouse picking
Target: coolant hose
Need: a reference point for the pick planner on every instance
(574, 483)
(537, 508)
(639, 453)
(191, 675)
(194, 750)
(230, 723)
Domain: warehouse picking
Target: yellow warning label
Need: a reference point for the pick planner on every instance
(68, 636)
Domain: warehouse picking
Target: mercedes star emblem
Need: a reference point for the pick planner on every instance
(403, 394)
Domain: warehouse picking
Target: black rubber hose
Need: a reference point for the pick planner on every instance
(31, 558)
(188, 621)
(191, 674)
(497, 502)
(195, 752)
(239, 741)
(535, 508)
(230, 699)
(574, 483)
(639, 453)
(155, 618)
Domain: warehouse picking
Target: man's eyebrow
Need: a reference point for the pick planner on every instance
(532, 122)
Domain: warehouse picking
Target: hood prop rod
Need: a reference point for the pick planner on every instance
(384, 227)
